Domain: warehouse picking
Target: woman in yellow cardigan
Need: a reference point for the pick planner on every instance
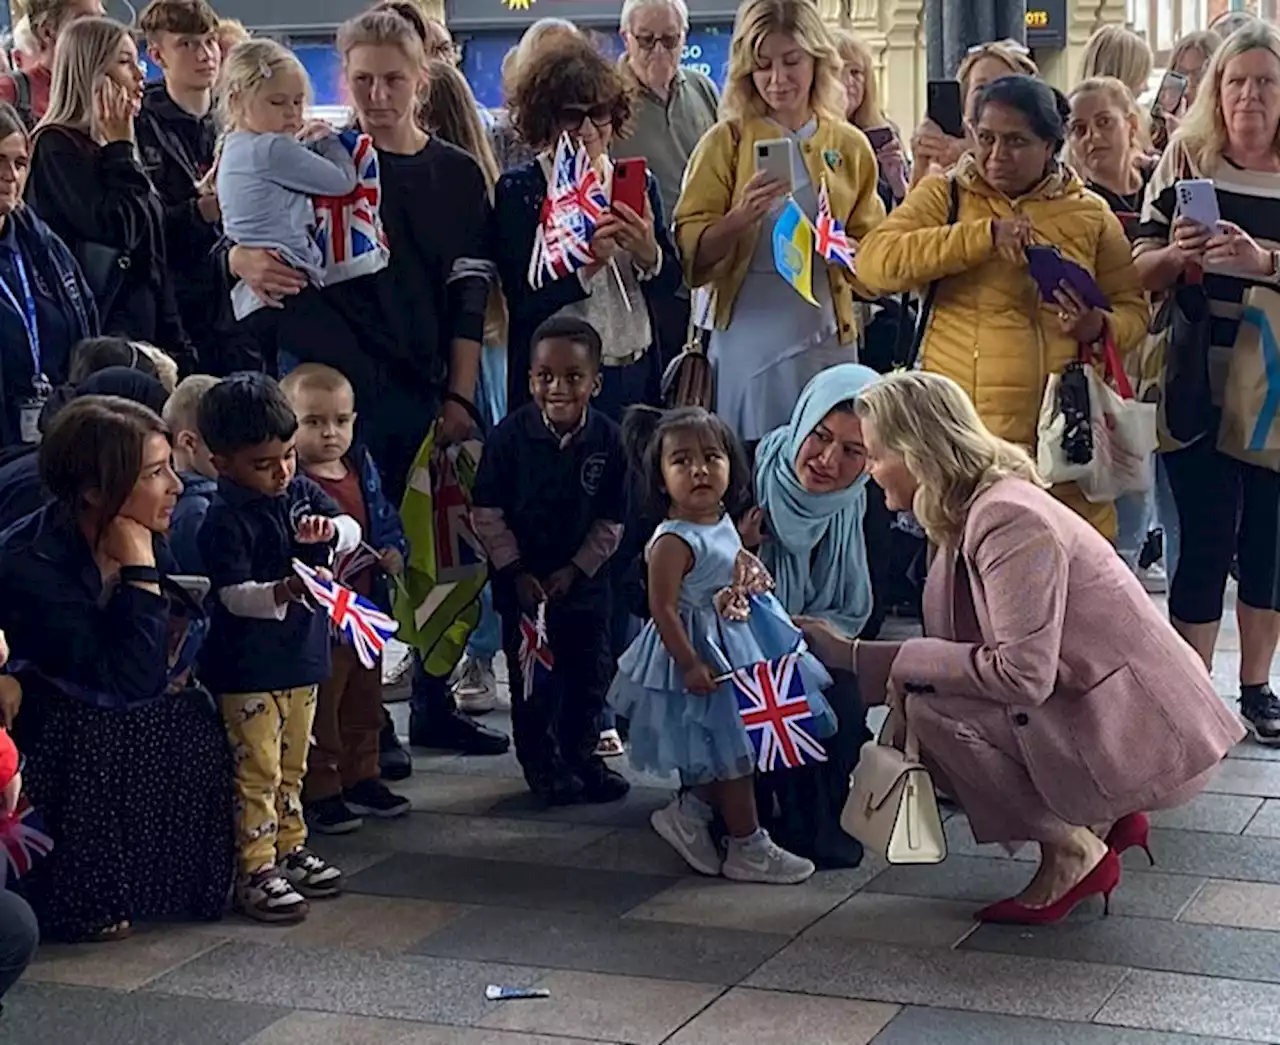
(989, 330)
(784, 82)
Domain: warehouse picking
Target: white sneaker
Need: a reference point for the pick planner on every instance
(397, 662)
(765, 861)
(688, 836)
(1154, 579)
(474, 687)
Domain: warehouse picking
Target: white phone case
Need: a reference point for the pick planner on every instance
(1198, 201)
(774, 156)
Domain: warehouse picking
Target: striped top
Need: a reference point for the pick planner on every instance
(1250, 199)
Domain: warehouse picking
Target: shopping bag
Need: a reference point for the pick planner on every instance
(1124, 433)
(1064, 432)
(1250, 428)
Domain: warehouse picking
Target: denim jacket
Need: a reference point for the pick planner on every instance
(385, 528)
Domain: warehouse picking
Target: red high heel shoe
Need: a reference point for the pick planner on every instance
(1102, 880)
(1131, 832)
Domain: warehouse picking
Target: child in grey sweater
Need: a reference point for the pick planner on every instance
(267, 174)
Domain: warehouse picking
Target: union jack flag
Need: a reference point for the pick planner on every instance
(357, 619)
(575, 203)
(349, 228)
(776, 713)
(459, 554)
(535, 653)
(830, 239)
(22, 841)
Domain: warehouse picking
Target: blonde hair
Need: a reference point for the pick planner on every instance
(1019, 62)
(85, 49)
(182, 411)
(166, 368)
(1117, 94)
(854, 51)
(315, 377)
(1203, 132)
(381, 28)
(449, 112)
(930, 421)
(533, 38)
(249, 68)
(800, 20)
(230, 32)
(1206, 41)
(1116, 51)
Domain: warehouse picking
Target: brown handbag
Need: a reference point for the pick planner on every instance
(688, 380)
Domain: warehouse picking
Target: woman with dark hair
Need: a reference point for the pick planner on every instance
(45, 304)
(988, 318)
(570, 88)
(88, 184)
(128, 766)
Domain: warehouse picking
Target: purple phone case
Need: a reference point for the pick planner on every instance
(1049, 268)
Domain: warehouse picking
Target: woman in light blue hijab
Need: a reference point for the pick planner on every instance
(811, 487)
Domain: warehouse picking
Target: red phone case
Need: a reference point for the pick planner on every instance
(629, 177)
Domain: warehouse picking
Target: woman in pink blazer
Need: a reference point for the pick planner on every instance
(1050, 696)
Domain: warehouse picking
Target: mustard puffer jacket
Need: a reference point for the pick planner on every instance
(989, 330)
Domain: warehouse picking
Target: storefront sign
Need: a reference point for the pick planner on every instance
(1047, 23)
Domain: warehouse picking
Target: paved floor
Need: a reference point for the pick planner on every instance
(480, 887)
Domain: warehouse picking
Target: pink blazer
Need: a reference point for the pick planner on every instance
(1110, 708)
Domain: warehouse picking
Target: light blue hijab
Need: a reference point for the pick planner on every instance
(832, 582)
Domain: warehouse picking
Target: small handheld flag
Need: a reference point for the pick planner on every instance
(793, 250)
(575, 203)
(535, 653)
(357, 619)
(349, 228)
(776, 713)
(831, 241)
(22, 841)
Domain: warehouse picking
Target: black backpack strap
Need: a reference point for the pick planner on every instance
(907, 359)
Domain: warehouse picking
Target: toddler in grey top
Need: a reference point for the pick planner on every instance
(266, 175)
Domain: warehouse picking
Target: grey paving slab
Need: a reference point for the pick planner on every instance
(1267, 823)
(960, 843)
(1220, 814)
(1143, 943)
(1252, 751)
(428, 990)
(1239, 776)
(1248, 905)
(627, 947)
(772, 1018)
(635, 849)
(962, 980)
(322, 1028)
(921, 1026)
(1244, 858)
(909, 921)
(632, 811)
(1196, 1005)
(1144, 894)
(45, 1014)
(508, 884)
(441, 792)
(479, 837)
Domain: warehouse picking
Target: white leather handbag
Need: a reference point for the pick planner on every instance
(892, 808)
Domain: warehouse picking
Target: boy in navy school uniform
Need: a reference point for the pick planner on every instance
(267, 651)
(548, 506)
(342, 783)
(194, 465)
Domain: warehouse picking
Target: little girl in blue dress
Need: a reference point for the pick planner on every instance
(711, 612)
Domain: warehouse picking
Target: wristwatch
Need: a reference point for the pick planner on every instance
(139, 575)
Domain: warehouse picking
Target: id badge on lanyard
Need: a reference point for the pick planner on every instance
(30, 408)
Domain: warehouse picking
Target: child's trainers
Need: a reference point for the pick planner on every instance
(760, 859)
(690, 836)
(269, 897)
(313, 877)
(374, 798)
(332, 816)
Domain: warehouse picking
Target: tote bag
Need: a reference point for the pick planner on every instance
(1250, 428)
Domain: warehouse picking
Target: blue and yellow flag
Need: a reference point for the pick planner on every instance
(793, 250)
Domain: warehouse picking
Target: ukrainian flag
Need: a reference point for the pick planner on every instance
(793, 250)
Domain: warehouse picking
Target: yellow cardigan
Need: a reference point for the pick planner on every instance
(718, 172)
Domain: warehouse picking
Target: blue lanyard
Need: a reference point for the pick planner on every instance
(27, 310)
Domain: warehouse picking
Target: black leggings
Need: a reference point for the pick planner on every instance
(1225, 508)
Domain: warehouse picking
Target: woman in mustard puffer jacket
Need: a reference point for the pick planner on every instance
(989, 329)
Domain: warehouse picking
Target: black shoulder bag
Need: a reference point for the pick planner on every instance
(907, 352)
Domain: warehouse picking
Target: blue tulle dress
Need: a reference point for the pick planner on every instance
(702, 738)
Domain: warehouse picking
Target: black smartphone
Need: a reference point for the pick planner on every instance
(1173, 88)
(945, 106)
(879, 137)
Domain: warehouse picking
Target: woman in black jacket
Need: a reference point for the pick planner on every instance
(88, 185)
(45, 304)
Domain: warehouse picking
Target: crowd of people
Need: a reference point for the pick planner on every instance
(205, 403)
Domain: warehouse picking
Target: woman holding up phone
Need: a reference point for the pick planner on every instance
(783, 95)
(989, 330)
(862, 109)
(88, 185)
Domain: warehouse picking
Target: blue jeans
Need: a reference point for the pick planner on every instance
(19, 937)
(486, 640)
(1133, 523)
(1167, 516)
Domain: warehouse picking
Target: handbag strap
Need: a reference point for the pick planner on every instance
(906, 360)
(1112, 368)
(897, 720)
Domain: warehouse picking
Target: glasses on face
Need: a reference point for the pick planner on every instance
(572, 116)
(647, 41)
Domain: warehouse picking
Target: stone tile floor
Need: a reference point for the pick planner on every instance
(480, 886)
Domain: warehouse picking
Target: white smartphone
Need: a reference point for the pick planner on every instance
(197, 587)
(774, 156)
(1198, 201)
